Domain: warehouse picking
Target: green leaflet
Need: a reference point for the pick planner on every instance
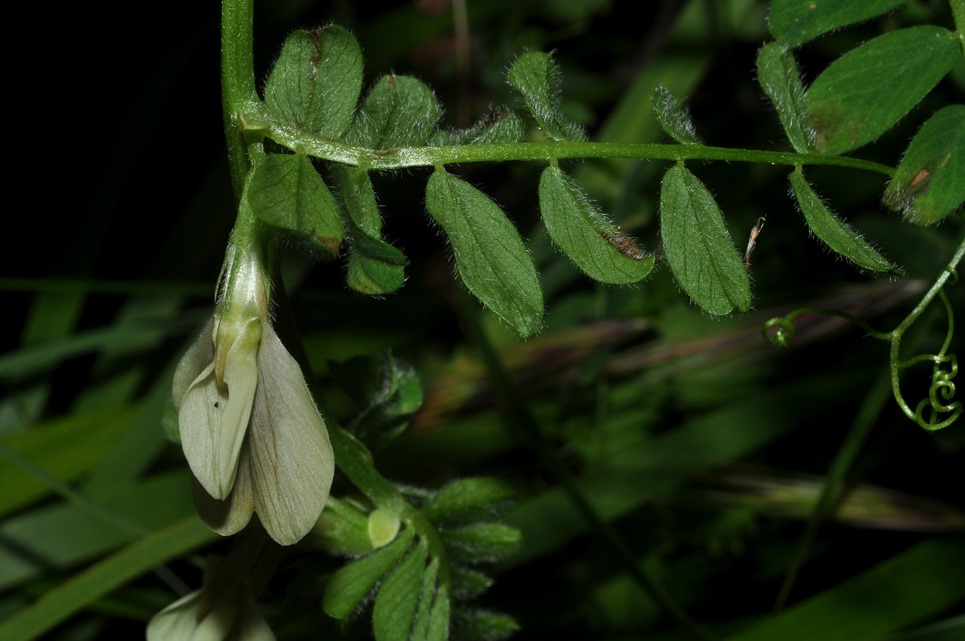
(468, 584)
(867, 90)
(700, 251)
(467, 500)
(500, 125)
(374, 266)
(930, 181)
(585, 235)
(343, 528)
(353, 582)
(438, 628)
(398, 598)
(285, 191)
(400, 111)
(794, 22)
(315, 84)
(359, 199)
(673, 116)
(537, 79)
(780, 79)
(427, 594)
(386, 391)
(478, 625)
(837, 235)
(482, 542)
(490, 255)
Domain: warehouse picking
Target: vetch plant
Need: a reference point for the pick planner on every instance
(588, 411)
(313, 108)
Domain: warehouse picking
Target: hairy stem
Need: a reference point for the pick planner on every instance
(547, 151)
(958, 14)
(237, 81)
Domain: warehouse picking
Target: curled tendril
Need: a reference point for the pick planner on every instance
(939, 409)
(942, 391)
(778, 331)
(940, 397)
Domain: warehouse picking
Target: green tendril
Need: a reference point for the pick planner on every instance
(939, 409)
(941, 393)
(779, 331)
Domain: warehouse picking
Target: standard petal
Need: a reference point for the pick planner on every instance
(292, 463)
(213, 418)
(231, 515)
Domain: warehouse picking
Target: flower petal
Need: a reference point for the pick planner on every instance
(194, 361)
(231, 515)
(213, 418)
(233, 617)
(180, 620)
(251, 624)
(292, 463)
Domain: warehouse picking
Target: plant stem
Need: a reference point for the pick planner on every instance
(958, 15)
(546, 151)
(237, 81)
(933, 291)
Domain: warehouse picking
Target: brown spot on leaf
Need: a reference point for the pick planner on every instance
(625, 245)
(328, 243)
(920, 179)
(316, 36)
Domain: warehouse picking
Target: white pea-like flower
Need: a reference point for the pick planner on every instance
(249, 428)
(223, 609)
(194, 618)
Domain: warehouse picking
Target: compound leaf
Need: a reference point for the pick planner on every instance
(835, 233)
(490, 255)
(930, 181)
(585, 235)
(867, 90)
(701, 253)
